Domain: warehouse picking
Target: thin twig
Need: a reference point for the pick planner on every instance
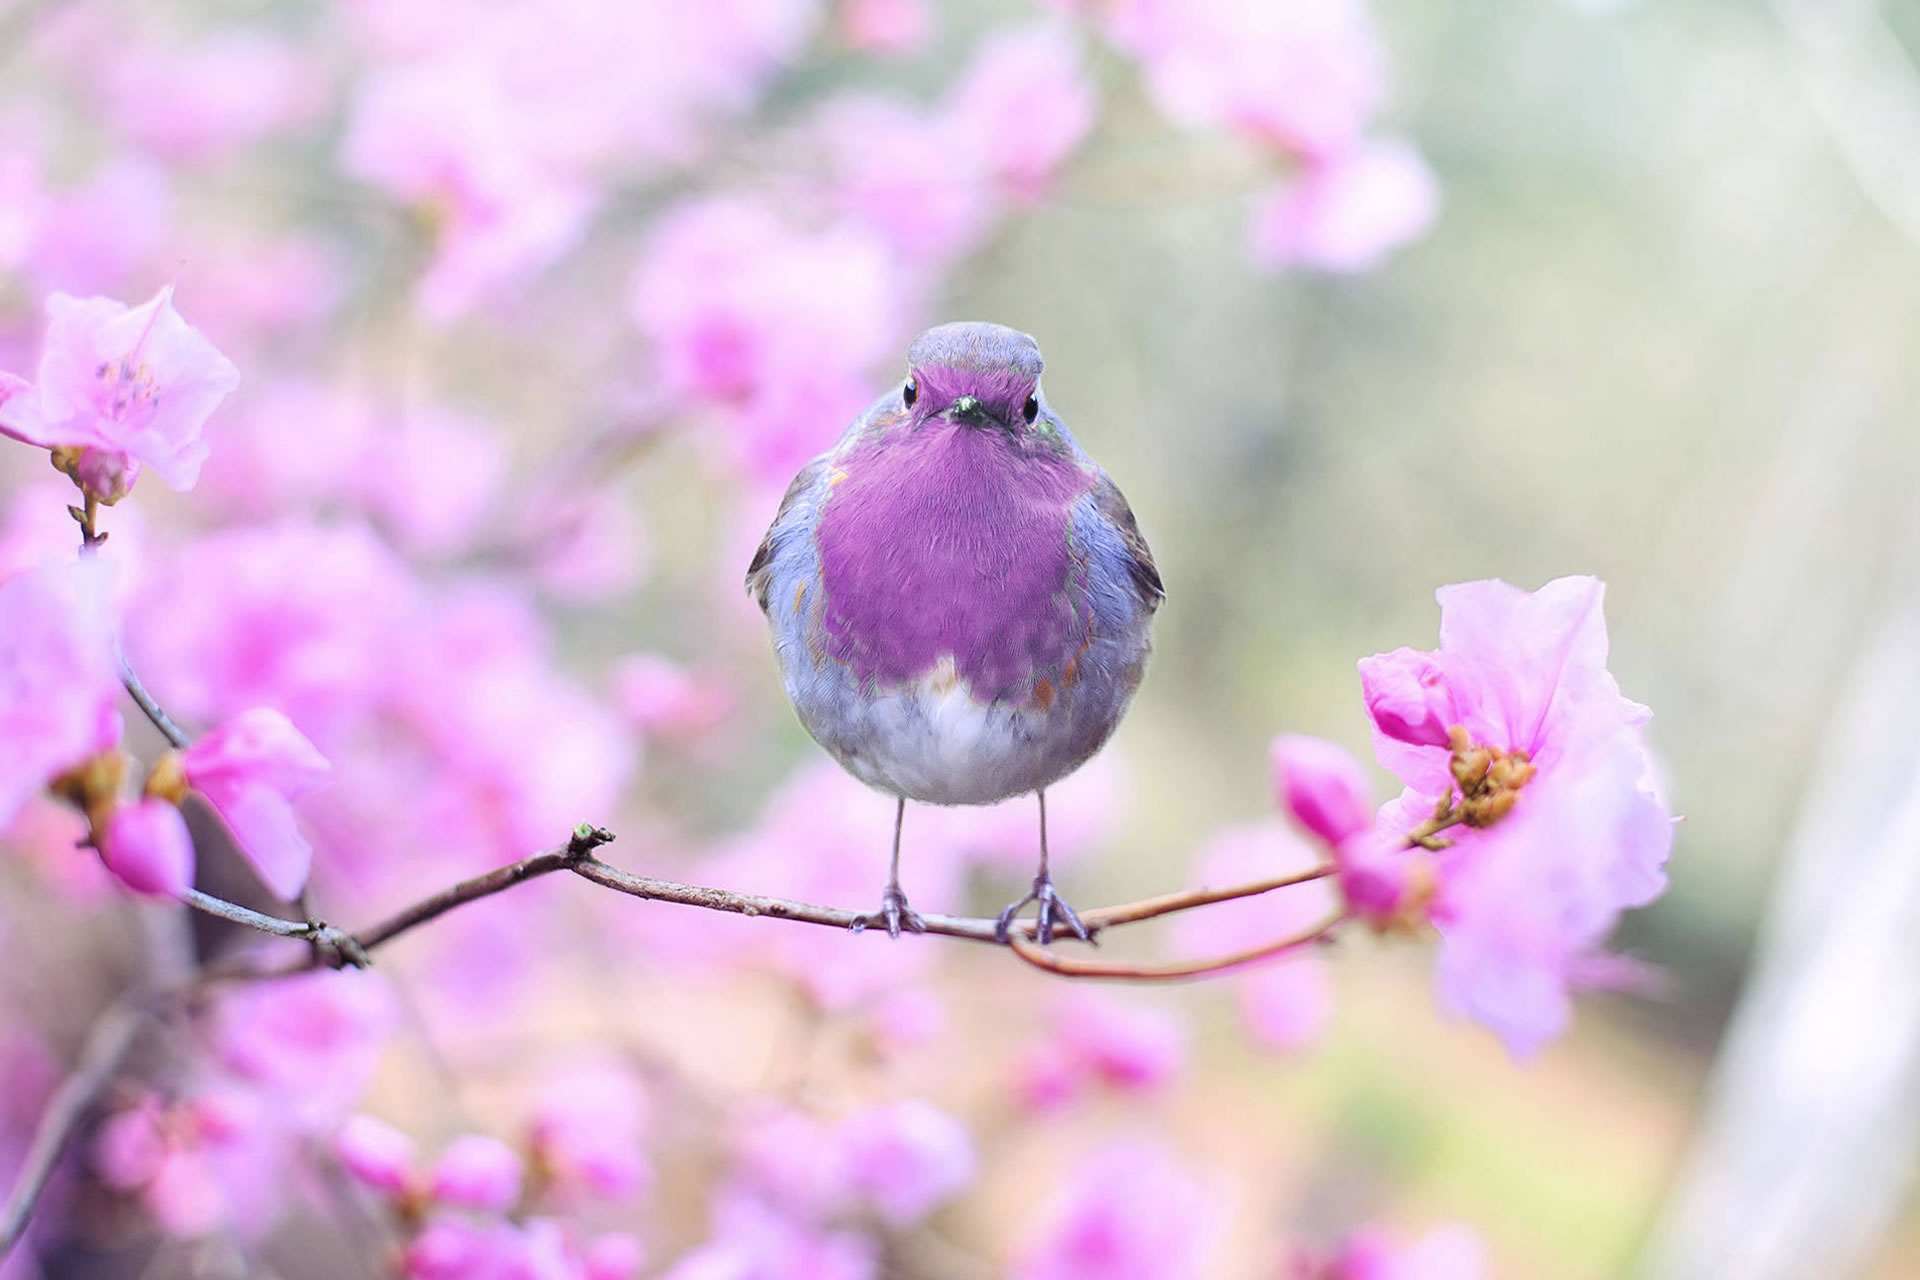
(168, 727)
(106, 1046)
(1081, 967)
(577, 856)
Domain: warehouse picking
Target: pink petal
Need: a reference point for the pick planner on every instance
(1321, 786)
(148, 847)
(478, 1172)
(376, 1153)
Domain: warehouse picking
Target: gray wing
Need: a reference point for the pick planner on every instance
(760, 569)
(1135, 555)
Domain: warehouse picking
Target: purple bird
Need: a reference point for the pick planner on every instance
(959, 596)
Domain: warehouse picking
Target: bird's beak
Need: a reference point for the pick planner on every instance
(969, 410)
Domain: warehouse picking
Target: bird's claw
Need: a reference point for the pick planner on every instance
(894, 913)
(1053, 912)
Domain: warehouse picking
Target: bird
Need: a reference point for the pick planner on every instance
(959, 597)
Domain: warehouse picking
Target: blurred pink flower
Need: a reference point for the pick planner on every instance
(612, 1256)
(773, 329)
(1287, 1001)
(1302, 77)
(594, 549)
(58, 683)
(429, 478)
(148, 848)
(137, 381)
(199, 100)
(1023, 106)
(1321, 787)
(662, 698)
(749, 1240)
(1407, 697)
(1129, 1211)
(587, 1130)
(97, 236)
(1445, 1253)
(378, 1155)
(1527, 893)
(477, 1172)
(1100, 1037)
(885, 26)
(309, 1042)
(1348, 211)
(908, 174)
(447, 137)
(206, 1162)
(907, 1158)
(426, 474)
(249, 768)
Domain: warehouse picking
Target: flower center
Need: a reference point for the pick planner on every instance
(128, 387)
(1489, 778)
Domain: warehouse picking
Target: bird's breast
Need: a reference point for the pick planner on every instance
(947, 560)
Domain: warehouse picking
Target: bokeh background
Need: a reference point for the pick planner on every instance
(1660, 330)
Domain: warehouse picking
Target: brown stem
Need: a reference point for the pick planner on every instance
(1085, 967)
(106, 1046)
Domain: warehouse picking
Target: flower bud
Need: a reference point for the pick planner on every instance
(613, 1256)
(106, 474)
(147, 846)
(376, 1154)
(1407, 696)
(477, 1172)
(1321, 786)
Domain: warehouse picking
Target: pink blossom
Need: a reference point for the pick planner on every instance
(377, 1154)
(447, 135)
(58, 681)
(1407, 697)
(148, 848)
(312, 1041)
(1532, 883)
(1445, 1253)
(1023, 106)
(197, 101)
(1348, 211)
(1100, 1037)
(612, 1256)
(908, 174)
(477, 1172)
(587, 1131)
(907, 1158)
(1130, 1211)
(750, 1240)
(95, 236)
(771, 328)
(1302, 76)
(249, 768)
(793, 1161)
(1287, 1001)
(885, 26)
(137, 381)
(1321, 787)
(198, 1164)
(660, 697)
(593, 550)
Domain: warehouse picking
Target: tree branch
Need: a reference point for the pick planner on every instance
(106, 1046)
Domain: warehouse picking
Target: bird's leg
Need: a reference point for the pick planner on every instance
(1053, 910)
(894, 911)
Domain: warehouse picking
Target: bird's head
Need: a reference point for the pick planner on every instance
(978, 375)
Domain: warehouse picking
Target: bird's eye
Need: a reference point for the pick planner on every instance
(911, 393)
(1031, 409)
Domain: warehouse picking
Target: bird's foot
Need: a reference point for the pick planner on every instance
(894, 913)
(1054, 913)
